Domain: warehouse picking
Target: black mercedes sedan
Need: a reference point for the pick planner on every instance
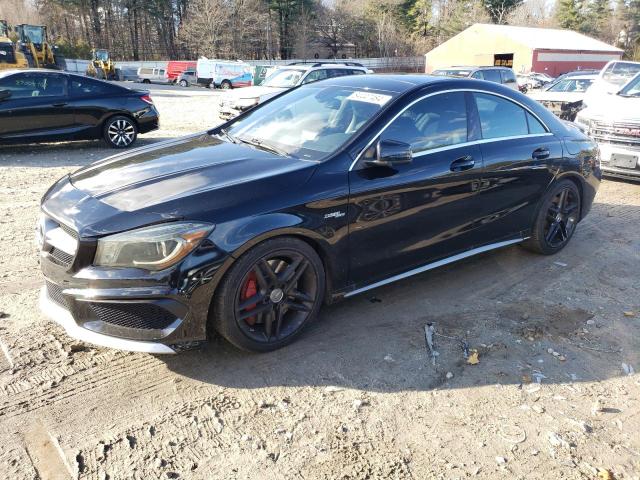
(323, 192)
(47, 106)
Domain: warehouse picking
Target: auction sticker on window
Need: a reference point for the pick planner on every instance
(369, 97)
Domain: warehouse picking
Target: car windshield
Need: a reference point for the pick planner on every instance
(452, 73)
(631, 89)
(283, 78)
(571, 85)
(311, 122)
(619, 73)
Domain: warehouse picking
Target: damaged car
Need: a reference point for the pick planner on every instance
(564, 97)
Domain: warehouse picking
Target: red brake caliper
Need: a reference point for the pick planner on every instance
(249, 290)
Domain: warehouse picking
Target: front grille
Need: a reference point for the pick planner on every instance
(617, 133)
(55, 294)
(56, 255)
(60, 257)
(145, 316)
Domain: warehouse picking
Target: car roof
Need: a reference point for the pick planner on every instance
(392, 83)
(581, 76)
(304, 67)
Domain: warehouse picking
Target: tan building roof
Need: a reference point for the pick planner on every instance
(546, 38)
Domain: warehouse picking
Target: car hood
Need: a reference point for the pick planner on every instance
(176, 179)
(557, 96)
(254, 92)
(612, 107)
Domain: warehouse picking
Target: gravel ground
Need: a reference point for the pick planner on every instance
(357, 396)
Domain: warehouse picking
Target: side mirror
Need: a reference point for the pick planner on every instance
(4, 94)
(390, 153)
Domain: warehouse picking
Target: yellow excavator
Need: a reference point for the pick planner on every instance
(101, 66)
(10, 56)
(36, 48)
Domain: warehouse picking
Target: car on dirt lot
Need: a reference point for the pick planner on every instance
(502, 75)
(47, 106)
(283, 79)
(326, 191)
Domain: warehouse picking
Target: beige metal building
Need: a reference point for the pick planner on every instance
(525, 49)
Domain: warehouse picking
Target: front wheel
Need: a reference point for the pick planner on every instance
(557, 219)
(225, 85)
(184, 83)
(269, 295)
(120, 132)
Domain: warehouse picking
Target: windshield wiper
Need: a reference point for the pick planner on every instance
(230, 137)
(256, 142)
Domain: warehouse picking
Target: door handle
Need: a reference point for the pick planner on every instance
(463, 163)
(60, 104)
(540, 153)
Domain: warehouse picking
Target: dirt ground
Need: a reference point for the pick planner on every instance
(357, 396)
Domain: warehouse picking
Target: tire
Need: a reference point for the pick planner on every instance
(100, 73)
(30, 60)
(184, 83)
(120, 132)
(146, 80)
(60, 61)
(556, 220)
(119, 76)
(226, 85)
(286, 278)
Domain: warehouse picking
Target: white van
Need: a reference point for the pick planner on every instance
(224, 74)
(153, 75)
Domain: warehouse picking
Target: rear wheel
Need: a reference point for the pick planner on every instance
(184, 83)
(557, 219)
(120, 132)
(269, 295)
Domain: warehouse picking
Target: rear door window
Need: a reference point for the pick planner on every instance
(499, 117)
(507, 76)
(492, 75)
(478, 75)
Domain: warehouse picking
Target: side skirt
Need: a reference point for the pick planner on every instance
(439, 263)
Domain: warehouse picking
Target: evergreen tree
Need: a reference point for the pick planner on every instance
(569, 15)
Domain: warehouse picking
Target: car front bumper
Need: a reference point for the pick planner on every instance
(128, 308)
(609, 151)
(65, 319)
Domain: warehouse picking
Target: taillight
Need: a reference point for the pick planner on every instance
(147, 98)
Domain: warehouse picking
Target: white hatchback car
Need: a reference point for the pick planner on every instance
(284, 78)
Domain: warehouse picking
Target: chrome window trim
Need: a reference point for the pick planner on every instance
(448, 147)
(439, 263)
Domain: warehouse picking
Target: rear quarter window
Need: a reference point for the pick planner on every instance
(85, 87)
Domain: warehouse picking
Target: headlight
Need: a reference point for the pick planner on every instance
(244, 103)
(151, 248)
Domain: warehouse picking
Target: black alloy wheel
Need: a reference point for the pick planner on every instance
(225, 85)
(557, 219)
(269, 295)
(120, 132)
